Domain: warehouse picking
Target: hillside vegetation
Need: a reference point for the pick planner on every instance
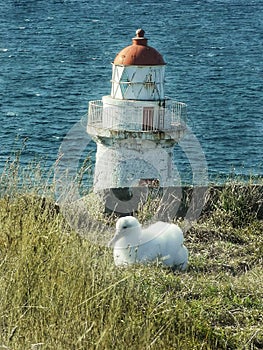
(60, 291)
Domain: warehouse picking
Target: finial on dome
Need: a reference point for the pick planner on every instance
(140, 33)
(139, 39)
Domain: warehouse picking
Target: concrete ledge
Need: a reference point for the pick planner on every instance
(186, 202)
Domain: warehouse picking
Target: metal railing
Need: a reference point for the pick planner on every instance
(134, 118)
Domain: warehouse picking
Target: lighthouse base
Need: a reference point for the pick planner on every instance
(129, 163)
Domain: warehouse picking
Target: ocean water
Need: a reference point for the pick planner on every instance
(55, 56)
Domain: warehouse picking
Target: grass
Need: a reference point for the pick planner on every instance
(60, 291)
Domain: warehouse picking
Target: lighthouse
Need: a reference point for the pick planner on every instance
(136, 127)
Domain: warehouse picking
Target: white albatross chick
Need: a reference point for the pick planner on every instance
(160, 241)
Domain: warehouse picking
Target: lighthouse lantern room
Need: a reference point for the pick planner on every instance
(136, 126)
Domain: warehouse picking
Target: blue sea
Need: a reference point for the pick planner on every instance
(55, 56)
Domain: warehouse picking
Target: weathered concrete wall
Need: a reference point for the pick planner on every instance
(129, 162)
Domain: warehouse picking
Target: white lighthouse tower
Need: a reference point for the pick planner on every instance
(136, 126)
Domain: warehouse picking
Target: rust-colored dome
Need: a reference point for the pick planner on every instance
(139, 53)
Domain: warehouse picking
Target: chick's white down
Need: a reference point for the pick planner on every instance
(163, 241)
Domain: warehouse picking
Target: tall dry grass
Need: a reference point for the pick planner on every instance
(60, 291)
